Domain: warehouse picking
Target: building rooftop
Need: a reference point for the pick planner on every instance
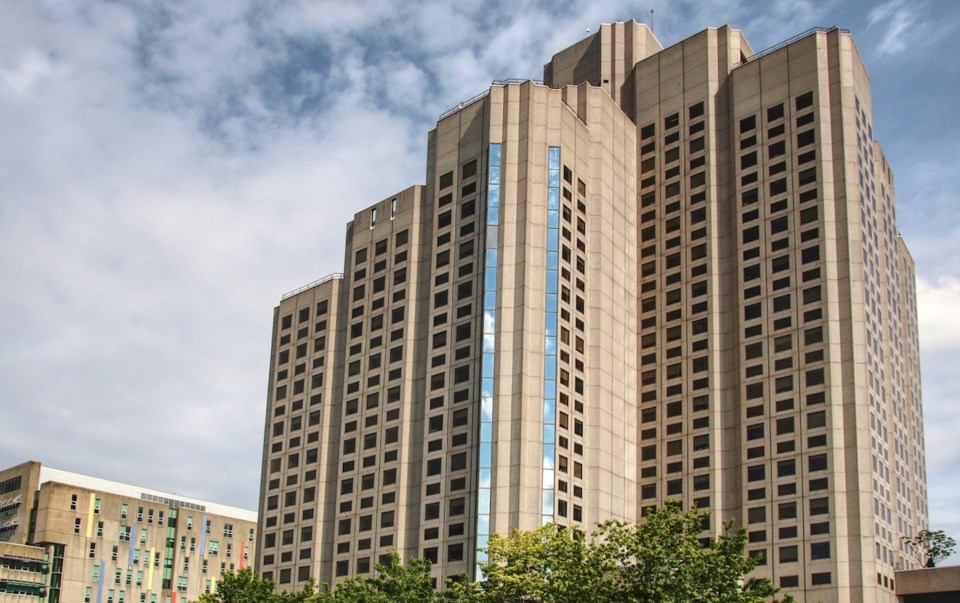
(49, 474)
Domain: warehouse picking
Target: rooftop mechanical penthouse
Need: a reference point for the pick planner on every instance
(660, 274)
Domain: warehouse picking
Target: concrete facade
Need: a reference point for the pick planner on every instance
(663, 274)
(929, 585)
(108, 542)
(24, 571)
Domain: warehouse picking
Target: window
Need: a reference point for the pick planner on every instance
(819, 550)
(817, 462)
(820, 579)
(819, 506)
(788, 554)
(816, 419)
(787, 511)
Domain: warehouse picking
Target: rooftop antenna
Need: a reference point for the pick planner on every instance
(651, 20)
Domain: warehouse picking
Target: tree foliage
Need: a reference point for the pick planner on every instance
(660, 560)
(243, 586)
(394, 583)
(932, 547)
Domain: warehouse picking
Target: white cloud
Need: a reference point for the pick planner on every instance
(33, 68)
(938, 303)
(898, 18)
(170, 169)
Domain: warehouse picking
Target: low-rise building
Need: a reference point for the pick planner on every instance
(23, 572)
(109, 542)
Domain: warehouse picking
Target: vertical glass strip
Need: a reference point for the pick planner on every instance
(488, 364)
(550, 337)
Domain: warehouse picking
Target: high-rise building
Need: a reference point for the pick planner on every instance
(68, 538)
(659, 274)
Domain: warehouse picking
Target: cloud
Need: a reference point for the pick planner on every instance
(33, 68)
(937, 303)
(170, 169)
(939, 320)
(898, 18)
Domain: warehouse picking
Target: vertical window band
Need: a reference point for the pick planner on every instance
(550, 338)
(491, 274)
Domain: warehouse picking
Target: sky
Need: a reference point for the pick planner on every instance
(169, 169)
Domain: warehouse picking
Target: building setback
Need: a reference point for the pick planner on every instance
(107, 542)
(661, 274)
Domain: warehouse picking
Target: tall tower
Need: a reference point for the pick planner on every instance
(663, 274)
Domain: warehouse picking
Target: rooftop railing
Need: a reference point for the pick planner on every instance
(780, 45)
(483, 94)
(329, 277)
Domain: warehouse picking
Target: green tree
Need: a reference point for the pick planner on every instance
(394, 583)
(243, 586)
(659, 560)
(551, 563)
(932, 547)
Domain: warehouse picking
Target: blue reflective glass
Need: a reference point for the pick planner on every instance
(547, 502)
(551, 324)
(549, 433)
(549, 456)
(493, 237)
(551, 302)
(493, 196)
(550, 369)
(553, 178)
(486, 389)
(553, 199)
(495, 174)
(486, 450)
(490, 321)
(488, 364)
(490, 280)
(491, 258)
(486, 407)
(553, 244)
(486, 432)
(489, 343)
(493, 215)
(549, 410)
(553, 259)
(550, 345)
(484, 478)
(490, 300)
(554, 154)
(483, 500)
(495, 153)
(553, 220)
(483, 527)
(550, 389)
